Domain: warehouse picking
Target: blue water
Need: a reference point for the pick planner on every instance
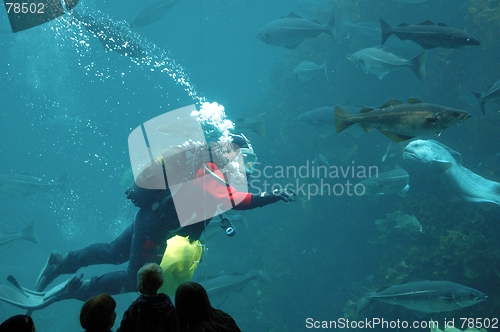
(314, 249)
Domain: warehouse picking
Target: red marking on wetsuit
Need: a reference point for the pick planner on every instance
(148, 246)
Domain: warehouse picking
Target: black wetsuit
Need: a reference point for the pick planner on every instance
(145, 240)
(142, 242)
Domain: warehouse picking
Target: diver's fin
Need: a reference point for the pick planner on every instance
(26, 15)
(16, 284)
(21, 297)
(25, 291)
(31, 300)
(17, 299)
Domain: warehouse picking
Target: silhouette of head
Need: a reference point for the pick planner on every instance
(192, 303)
(149, 279)
(98, 313)
(18, 323)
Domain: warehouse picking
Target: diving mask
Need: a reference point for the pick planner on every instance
(246, 152)
(249, 160)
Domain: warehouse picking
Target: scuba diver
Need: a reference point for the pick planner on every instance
(157, 220)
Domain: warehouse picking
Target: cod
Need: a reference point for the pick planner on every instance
(401, 122)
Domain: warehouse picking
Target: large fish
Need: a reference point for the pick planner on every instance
(219, 288)
(9, 239)
(291, 30)
(380, 62)
(112, 36)
(153, 12)
(25, 184)
(437, 159)
(400, 121)
(492, 94)
(429, 35)
(393, 182)
(426, 297)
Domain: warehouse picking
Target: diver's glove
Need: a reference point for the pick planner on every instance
(287, 195)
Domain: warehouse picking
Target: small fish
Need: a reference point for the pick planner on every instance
(153, 12)
(24, 184)
(9, 239)
(430, 35)
(257, 124)
(380, 62)
(219, 288)
(307, 70)
(492, 94)
(400, 121)
(292, 30)
(319, 159)
(426, 297)
(409, 224)
(393, 182)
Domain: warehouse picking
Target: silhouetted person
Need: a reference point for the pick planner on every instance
(151, 312)
(98, 313)
(195, 313)
(18, 323)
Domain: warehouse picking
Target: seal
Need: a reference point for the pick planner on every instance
(439, 159)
